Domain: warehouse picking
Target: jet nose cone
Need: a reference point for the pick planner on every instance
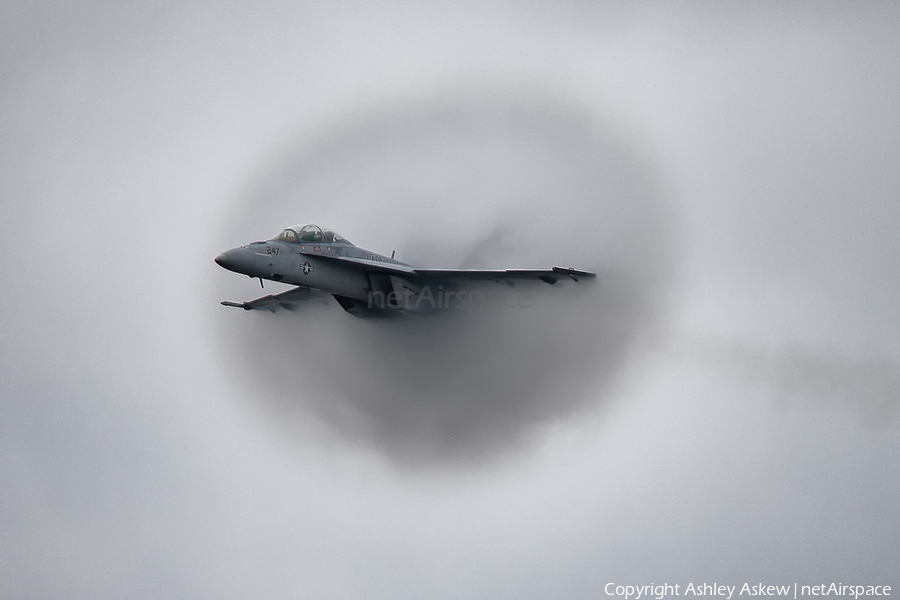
(239, 260)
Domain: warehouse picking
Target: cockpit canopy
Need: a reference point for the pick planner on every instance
(309, 234)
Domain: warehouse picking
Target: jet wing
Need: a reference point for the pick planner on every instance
(289, 300)
(551, 275)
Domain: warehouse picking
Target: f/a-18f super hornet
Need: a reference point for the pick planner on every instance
(320, 262)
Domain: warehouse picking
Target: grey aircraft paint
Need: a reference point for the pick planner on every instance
(363, 282)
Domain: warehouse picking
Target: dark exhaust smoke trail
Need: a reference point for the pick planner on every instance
(802, 373)
(475, 179)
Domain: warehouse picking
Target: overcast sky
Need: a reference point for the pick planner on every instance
(720, 406)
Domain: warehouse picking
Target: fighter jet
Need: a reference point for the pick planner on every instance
(319, 262)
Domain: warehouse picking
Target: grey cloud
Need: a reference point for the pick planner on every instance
(152, 443)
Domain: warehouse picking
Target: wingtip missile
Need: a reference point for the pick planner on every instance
(573, 272)
(235, 304)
